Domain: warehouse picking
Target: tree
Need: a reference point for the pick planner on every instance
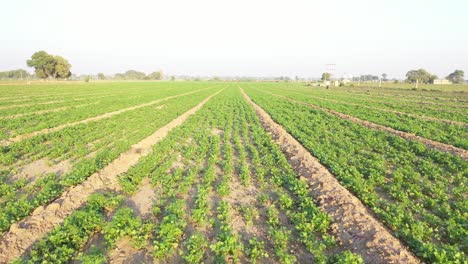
(49, 66)
(420, 75)
(62, 67)
(384, 77)
(458, 76)
(43, 63)
(325, 76)
(101, 76)
(156, 75)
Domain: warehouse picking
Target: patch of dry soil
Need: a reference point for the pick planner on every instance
(353, 225)
(42, 166)
(125, 253)
(23, 234)
(142, 201)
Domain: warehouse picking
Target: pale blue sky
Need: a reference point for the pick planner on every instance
(243, 37)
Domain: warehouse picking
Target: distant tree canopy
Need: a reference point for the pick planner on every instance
(101, 76)
(131, 75)
(421, 76)
(158, 75)
(458, 76)
(137, 75)
(384, 77)
(15, 74)
(49, 66)
(325, 76)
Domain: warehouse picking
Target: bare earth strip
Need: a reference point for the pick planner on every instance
(23, 105)
(96, 118)
(45, 111)
(429, 143)
(22, 235)
(393, 111)
(354, 226)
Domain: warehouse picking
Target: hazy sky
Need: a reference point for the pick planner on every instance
(239, 37)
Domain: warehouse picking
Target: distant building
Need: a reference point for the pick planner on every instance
(442, 81)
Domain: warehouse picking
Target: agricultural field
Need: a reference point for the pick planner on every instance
(232, 172)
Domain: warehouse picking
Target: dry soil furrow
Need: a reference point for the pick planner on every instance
(23, 105)
(429, 143)
(354, 225)
(95, 118)
(447, 121)
(23, 234)
(45, 111)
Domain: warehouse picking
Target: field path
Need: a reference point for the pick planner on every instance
(24, 234)
(10, 141)
(429, 143)
(353, 225)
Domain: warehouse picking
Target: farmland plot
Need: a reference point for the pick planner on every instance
(199, 172)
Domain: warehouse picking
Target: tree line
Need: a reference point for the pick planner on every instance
(413, 76)
(47, 66)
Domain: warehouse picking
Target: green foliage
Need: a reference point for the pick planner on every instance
(130, 75)
(15, 74)
(61, 245)
(256, 250)
(124, 223)
(346, 257)
(49, 66)
(325, 76)
(421, 75)
(408, 186)
(93, 256)
(458, 76)
(195, 248)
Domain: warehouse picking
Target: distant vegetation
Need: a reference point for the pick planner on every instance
(48, 66)
(137, 75)
(421, 76)
(15, 74)
(457, 76)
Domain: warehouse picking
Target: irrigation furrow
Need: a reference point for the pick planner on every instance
(354, 225)
(429, 143)
(96, 118)
(22, 235)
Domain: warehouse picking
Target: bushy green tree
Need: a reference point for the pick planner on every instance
(457, 76)
(101, 76)
(158, 75)
(49, 66)
(325, 76)
(420, 75)
(131, 75)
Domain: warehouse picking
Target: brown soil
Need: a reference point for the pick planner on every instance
(84, 121)
(24, 105)
(125, 253)
(142, 201)
(42, 166)
(23, 234)
(44, 111)
(429, 143)
(354, 226)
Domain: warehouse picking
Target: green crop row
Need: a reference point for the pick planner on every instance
(418, 192)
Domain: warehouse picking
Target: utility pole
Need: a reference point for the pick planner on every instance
(417, 82)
